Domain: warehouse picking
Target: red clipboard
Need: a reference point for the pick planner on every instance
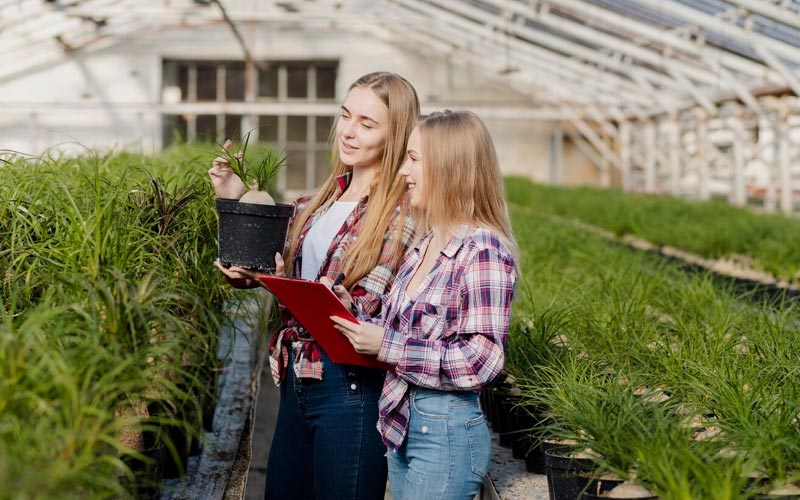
(313, 303)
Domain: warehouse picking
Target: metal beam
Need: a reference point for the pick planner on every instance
(769, 58)
(605, 19)
(727, 29)
(556, 44)
(771, 10)
(548, 61)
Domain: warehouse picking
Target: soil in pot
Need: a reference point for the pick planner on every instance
(250, 234)
(622, 490)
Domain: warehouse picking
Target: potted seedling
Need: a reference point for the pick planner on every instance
(253, 228)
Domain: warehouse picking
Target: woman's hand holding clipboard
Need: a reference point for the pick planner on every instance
(320, 311)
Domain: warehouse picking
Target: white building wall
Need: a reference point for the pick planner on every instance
(110, 98)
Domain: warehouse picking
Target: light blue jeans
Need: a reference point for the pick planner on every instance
(447, 450)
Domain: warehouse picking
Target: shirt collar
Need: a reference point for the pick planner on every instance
(455, 243)
(343, 181)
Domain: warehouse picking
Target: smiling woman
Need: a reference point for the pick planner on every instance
(325, 444)
(361, 129)
(444, 322)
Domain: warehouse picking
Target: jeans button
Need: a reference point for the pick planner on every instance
(353, 387)
(299, 392)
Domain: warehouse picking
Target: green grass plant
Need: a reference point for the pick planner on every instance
(109, 297)
(649, 352)
(712, 229)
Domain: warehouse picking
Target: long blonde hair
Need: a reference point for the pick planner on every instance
(463, 183)
(387, 187)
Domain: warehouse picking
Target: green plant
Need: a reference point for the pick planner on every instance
(256, 175)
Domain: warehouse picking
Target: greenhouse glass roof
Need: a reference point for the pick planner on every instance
(613, 58)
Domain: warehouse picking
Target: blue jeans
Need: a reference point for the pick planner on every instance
(447, 449)
(325, 444)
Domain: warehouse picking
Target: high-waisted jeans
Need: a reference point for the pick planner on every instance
(447, 450)
(326, 445)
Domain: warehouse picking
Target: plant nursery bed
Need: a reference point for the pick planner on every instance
(762, 285)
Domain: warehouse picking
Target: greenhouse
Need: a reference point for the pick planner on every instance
(650, 160)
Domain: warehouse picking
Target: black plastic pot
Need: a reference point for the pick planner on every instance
(567, 477)
(508, 424)
(147, 473)
(536, 454)
(250, 234)
(522, 436)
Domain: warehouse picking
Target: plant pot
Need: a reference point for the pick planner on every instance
(178, 435)
(147, 473)
(523, 420)
(535, 454)
(522, 438)
(567, 477)
(250, 235)
(508, 425)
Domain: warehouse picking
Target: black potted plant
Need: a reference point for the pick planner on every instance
(253, 228)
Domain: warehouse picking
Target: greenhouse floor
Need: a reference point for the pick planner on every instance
(507, 477)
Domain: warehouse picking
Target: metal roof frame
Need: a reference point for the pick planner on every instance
(593, 63)
(639, 57)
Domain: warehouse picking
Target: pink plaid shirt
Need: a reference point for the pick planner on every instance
(366, 293)
(452, 335)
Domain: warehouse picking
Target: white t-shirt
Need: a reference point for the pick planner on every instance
(319, 237)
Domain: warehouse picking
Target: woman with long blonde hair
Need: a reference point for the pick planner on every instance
(444, 323)
(325, 444)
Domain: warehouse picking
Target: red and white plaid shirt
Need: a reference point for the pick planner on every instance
(452, 335)
(366, 293)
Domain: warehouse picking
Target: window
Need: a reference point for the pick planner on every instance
(283, 87)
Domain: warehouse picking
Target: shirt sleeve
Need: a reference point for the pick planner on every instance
(475, 353)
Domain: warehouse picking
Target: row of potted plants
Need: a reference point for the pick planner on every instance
(710, 229)
(665, 379)
(109, 314)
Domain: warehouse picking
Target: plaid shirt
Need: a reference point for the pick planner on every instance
(452, 336)
(366, 293)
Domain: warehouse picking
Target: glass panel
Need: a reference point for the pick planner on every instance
(268, 128)
(296, 128)
(323, 126)
(183, 81)
(206, 82)
(234, 81)
(326, 82)
(297, 80)
(268, 81)
(174, 129)
(206, 127)
(233, 127)
(296, 169)
(322, 166)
